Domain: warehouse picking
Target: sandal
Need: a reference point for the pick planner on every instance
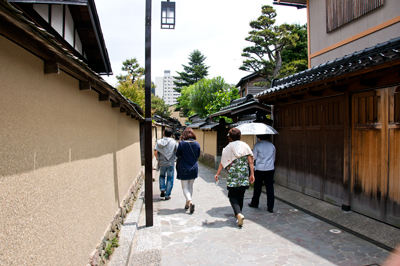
(187, 205)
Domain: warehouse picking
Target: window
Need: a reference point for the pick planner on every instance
(340, 12)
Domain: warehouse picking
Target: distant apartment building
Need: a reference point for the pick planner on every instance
(165, 88)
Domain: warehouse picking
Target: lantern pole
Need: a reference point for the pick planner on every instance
(148, 121)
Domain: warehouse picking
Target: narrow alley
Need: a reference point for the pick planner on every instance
(210, 236)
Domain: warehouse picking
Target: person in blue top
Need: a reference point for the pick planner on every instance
(264, 170)
(187, 169)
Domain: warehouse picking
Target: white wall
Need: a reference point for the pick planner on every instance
(43, 11)
(57, 18)
(69, 27)
(57, 23)
(78, 43)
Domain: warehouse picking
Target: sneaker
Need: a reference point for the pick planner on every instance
(162, 195)
(240, 218)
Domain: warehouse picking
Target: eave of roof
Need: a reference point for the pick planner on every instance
(209, 126)
(364, 59)
(241, 122)
(292, 1)
(240, 107)
(246, 78)
(197, 124)
(96, 30)
(190, 117)
(23, 32)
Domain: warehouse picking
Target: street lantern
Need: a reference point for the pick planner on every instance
(168, 20)
(168, 15)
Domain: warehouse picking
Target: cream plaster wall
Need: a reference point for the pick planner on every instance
(210, 142)
(159, 132)
(200, 139)
(66, 162)
(320, 39)
(175, 114)
(249, 139)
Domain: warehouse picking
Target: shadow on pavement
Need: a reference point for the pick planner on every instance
(171, 211)
(220, 223)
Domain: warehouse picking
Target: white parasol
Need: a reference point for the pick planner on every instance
(256, 129)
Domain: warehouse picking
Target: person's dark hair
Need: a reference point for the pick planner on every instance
(235, 134)
(168, 132)
(263, 137)
(188, 133)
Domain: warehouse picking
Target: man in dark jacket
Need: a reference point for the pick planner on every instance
(177, 134)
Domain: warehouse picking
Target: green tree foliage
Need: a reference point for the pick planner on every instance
(131, 85)
(131, 66)
(183, 105)
(206, 97)
(204, 92)
(192, 73)
(222, 99)
(133, 91)
(269, 40)
(295, 58)
(159, 107)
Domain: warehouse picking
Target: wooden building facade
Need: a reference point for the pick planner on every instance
(338, 121)
(339, 126)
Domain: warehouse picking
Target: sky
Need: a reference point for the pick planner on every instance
(217, 28)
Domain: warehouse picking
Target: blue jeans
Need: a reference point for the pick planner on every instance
(166, 186)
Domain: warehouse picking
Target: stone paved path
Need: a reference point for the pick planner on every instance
(210, 236)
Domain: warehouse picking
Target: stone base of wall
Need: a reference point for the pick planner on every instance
(99, 256)
(208, 160)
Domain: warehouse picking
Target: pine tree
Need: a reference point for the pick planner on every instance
(192, 73)
(265, 55)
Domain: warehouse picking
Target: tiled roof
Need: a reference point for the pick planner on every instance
(246, 78)
(238, 106)
(372, 56)
(241, 122)
(244, 120)
(209, 126)
(197, 123)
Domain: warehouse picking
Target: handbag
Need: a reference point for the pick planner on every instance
(177, 162)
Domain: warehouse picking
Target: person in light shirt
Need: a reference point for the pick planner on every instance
(264, 170)
(237, 158)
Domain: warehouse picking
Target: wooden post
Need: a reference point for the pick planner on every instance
(346, 113)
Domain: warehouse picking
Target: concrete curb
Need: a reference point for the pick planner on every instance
(128, 231)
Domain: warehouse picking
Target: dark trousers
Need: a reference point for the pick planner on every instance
(266, 177)
(236, 197)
